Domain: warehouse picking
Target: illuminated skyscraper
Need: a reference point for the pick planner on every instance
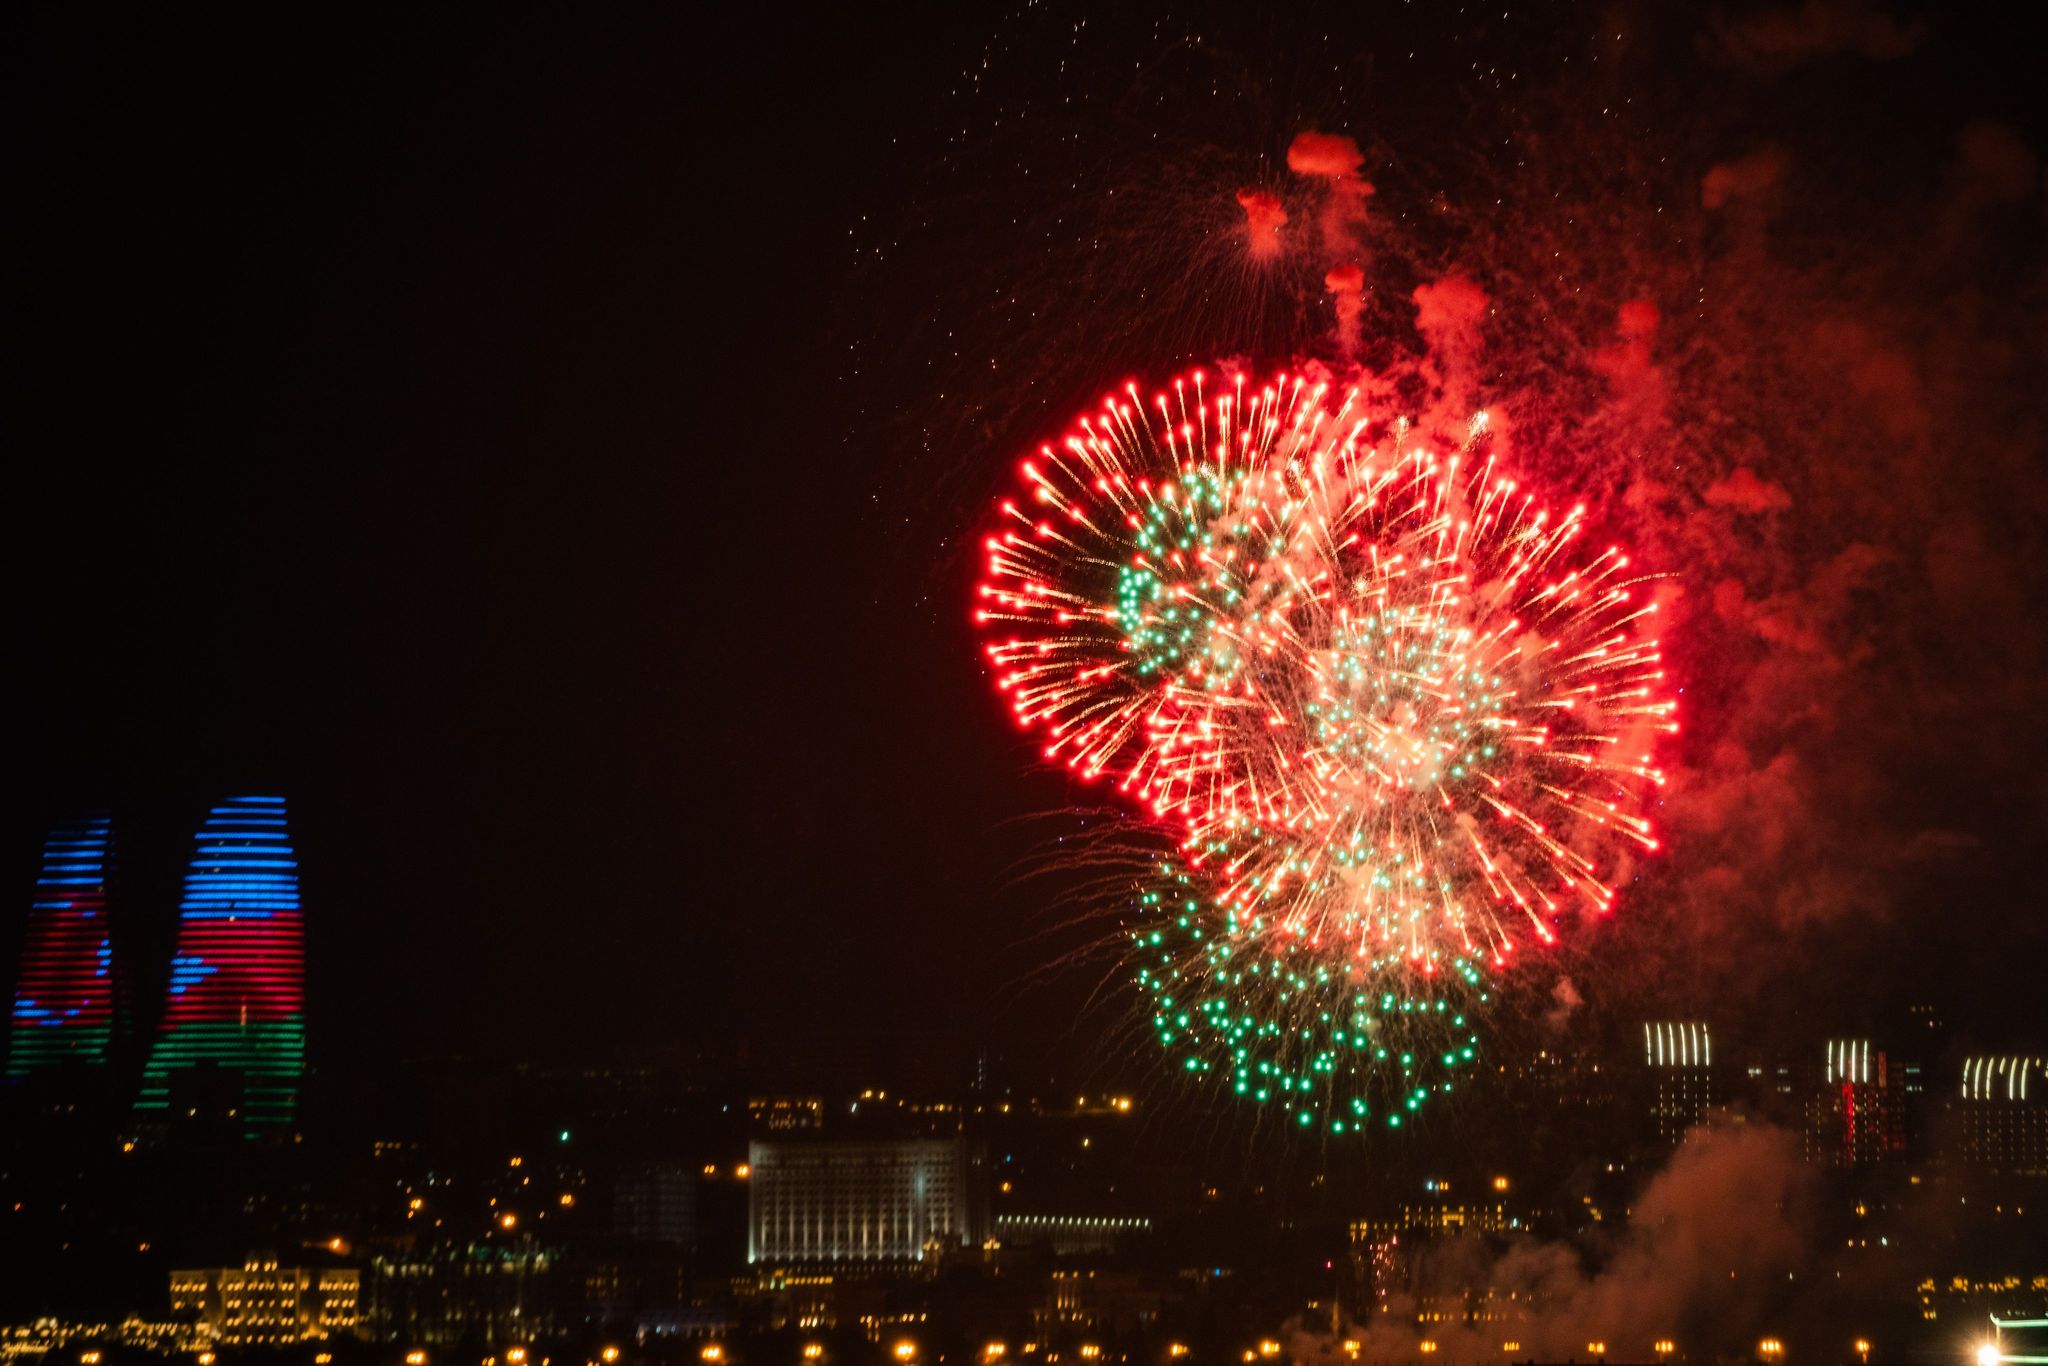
(63, 1002)
(1857, 1115)
(1680, 1057)
(2004, 1106)
(235, 999)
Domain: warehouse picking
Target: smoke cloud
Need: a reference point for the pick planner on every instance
(1702, 1259)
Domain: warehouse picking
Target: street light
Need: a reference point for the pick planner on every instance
(1989, 1355)
(905, 1350)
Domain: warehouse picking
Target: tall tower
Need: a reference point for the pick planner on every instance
(1680, 1058)
(236, 1000)
(63, 1002)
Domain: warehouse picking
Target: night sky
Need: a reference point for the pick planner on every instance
(551, 450)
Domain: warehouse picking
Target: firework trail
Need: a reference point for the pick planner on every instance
(1398, 715)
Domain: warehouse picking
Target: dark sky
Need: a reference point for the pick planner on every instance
(546, 448)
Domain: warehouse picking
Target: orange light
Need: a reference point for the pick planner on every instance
(567, 1201)
(1426, 1347)
(743, 1171)
(610, 1354)
(515, 1355)
(711, 1351)
(1090, 1351)
(813, 1350)
(508, 1221)
(1269, 1348)
(1770, 1348)
(905, 1350)
(992, 1350)
(1664, 1347)
(1177, 1349)
(415, 1358)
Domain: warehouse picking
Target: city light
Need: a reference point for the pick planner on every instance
(508, 1221)
(1351, 1346)
(813, 1350)
(1863, 1349)
(711, 1351)
(1598, 1349)
(1089, 1351)
(415, 1358)
(1770, 1349)
(1664, 1347)
(991, 1351)
(1269, 1348)
(515, 1355)
(1426, 1346)
(904, 1349)
(1988, 1354)
(609, 1354)
(89, 1359)
(1176, 1349)
(1511, 1346)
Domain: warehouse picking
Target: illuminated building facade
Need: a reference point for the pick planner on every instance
(2004, 1109)
(63, 1000)
(235, 1000)
(263, 1304)
(1680, 1058)
(1857, 1115)
(862, 1202)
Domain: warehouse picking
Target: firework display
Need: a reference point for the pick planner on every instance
(1399, 717)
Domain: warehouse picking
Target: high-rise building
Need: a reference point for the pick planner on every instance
(63, 1002)
(1856, 1115)
(881, 1201)
(235, 1007)
(2004, 1110)
(1680, 1058)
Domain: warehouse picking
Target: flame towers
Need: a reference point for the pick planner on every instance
(235, 999)
(63, 1003)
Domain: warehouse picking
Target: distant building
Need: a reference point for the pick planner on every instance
(489, 1293)
(1068, 1234)
(263, 1304)
(1856, 1114)
(656, 1203)
(235, 1002)
(2004, 1115)
(1680, 1059)
(63, 1000)
(853, 1202)
(786, 1114)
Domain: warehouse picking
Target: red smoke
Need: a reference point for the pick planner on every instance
(1348, 284)
(1263, 218)
(1335, 160)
